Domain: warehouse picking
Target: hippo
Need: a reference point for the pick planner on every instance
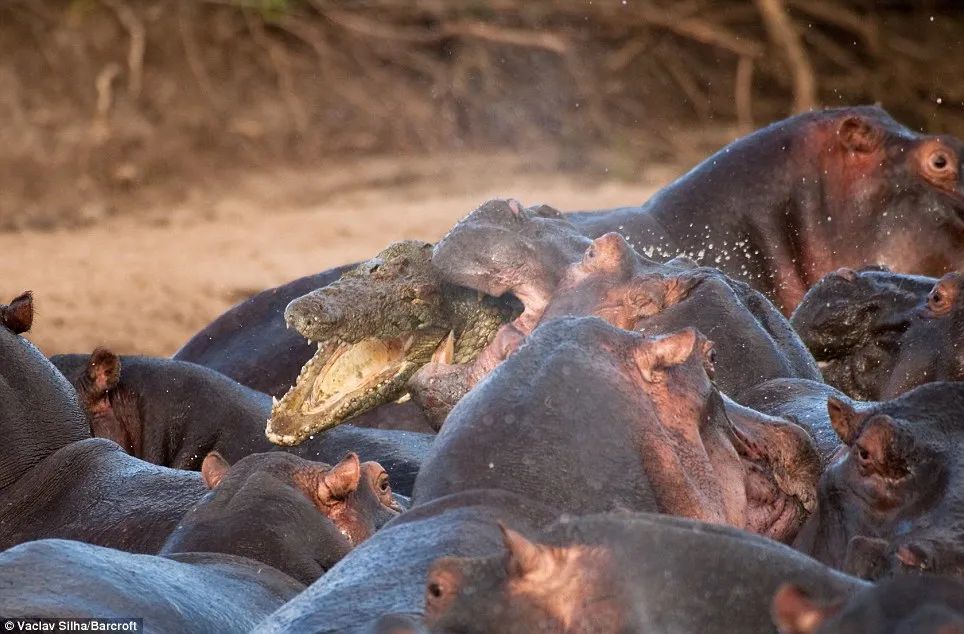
(503, 248)
(805, 403)
(380, 585)
(623, 572)
(922, 604)
(626, 421)
(836, 174)
(754, 342)
(932, 348)
(173, 413)
(893, 501)
(854, 323)
(374, 327)
(57, 481)
(267, 528)
(251, 343)
(251, 502)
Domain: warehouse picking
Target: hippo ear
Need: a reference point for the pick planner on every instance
(655, 355)
(857, 134)
(845, 418)
(794, 612)
(524, 557)
(18, 314)
(342, 479)
(865, 556)
(213, 469)
(678, 287)
(103, 371)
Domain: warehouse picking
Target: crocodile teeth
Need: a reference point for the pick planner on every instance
(445, 351)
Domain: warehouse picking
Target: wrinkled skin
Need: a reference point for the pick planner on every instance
(622, 573)
(172, 413)
(854, 323)
(503, 248)
(381, 583)
(918, 604)
(56, 481)
(611, 281)
(270, 524)
(298, 516)
(894, 501)
(376, 326)
(805, 403)
(626, 421)
(779, 208)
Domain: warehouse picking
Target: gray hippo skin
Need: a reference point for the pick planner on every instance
(382, 581)
(623, 573)
(805, 403)
(609, 279)
(779, 208)
(271, 524)
(57, 481)
(894, 500)
(906, 604)
(776, 209)
(588, 418)
(173, 413)
(854, 323)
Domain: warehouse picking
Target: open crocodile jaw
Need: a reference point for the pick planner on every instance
(338, 383)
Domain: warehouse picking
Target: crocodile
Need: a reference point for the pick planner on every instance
(374, 327)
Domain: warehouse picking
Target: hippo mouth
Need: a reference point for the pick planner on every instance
(771, 511)
(343, 380)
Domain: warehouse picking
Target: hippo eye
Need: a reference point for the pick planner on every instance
(435, 590)
(383, 484)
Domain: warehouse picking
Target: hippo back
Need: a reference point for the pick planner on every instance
(183, 593)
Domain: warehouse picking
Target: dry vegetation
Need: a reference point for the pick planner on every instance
(113, 105)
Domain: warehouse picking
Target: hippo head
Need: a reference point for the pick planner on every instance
(534, 587)
(900, 191)
(910, 603)
(39, 410)
(615, 283)
(502, 247)
(894, 500)
(853, 323)
(374, 327)
(932, 349)
(299, 516)
(354, 495)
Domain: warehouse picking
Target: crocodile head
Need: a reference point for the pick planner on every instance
(375, 327)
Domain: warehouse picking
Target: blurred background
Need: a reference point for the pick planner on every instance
(162, 160)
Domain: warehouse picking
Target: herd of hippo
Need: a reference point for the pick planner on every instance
(738, 407)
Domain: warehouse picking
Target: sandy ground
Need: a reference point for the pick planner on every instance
(146, 285)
